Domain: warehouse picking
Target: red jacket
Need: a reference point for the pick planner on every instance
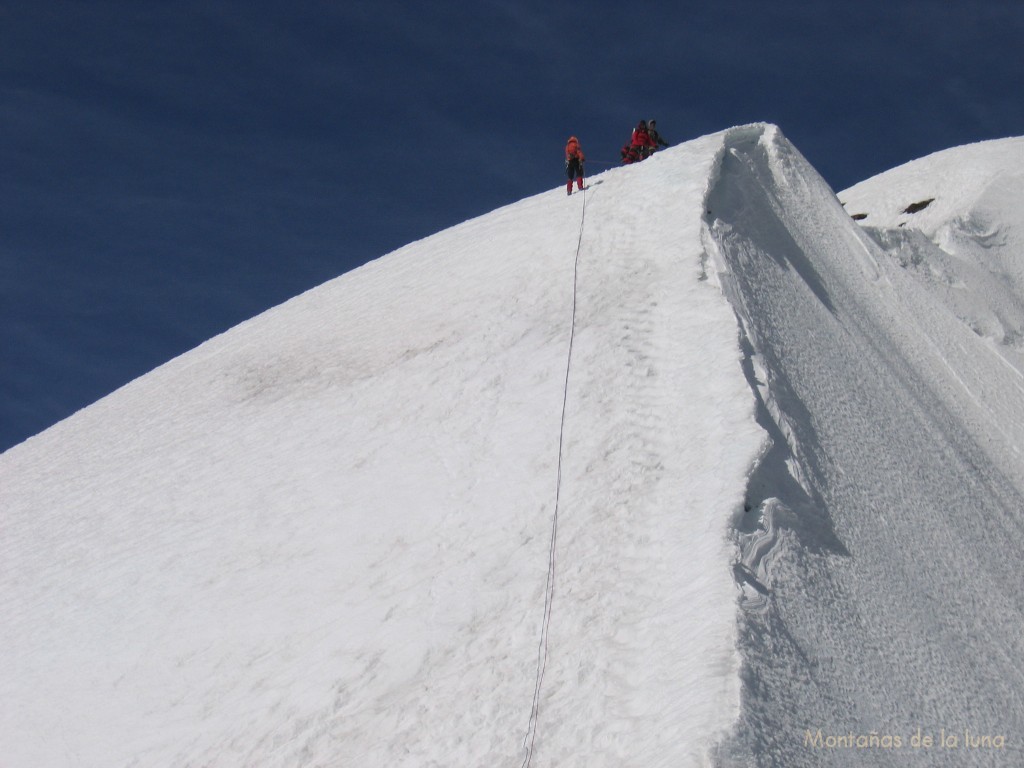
(641, 138)
(572, 149)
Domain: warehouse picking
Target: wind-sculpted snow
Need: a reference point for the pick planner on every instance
(892, 495)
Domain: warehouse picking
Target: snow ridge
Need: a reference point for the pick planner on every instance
(325, 536)
(330, 535)
(878, 558)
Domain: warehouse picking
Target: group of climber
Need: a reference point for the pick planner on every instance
(643, 143)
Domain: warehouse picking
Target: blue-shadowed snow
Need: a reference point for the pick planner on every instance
(881, 558)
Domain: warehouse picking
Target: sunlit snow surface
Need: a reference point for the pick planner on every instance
(322, 538)
(790, 512)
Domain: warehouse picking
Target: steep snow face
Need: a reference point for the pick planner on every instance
(328, 537)
(880, 561)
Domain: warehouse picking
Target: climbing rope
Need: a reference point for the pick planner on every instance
(549, 590)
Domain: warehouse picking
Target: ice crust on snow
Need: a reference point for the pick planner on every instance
(790, 502)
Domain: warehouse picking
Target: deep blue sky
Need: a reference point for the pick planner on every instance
(168, 170)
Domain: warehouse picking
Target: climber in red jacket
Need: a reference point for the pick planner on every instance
(642, 145)
(573, 164)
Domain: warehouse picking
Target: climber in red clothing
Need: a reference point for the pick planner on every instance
(573, 164)
(642, 144)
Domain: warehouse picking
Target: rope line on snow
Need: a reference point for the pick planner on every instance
(549, 590)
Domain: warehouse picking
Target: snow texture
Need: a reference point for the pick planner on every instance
(322, 538)
(881, 561)
(785, 447)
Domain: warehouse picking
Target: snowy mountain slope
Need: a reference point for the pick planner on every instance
(881, 558)
(323, 538)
